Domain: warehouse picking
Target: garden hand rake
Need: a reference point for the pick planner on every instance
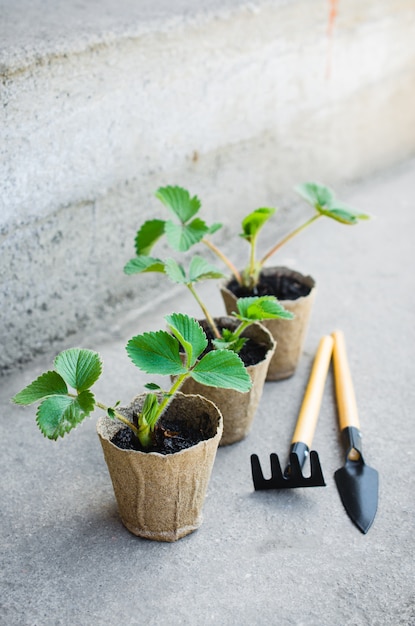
(303, 434)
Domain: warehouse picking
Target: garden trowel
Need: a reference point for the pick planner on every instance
(356, 482)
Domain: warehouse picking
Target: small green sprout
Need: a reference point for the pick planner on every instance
(250, 310)
(65, 397)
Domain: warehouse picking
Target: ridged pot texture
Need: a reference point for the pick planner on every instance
(161, 497)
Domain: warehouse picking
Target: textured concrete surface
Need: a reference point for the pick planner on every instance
(291, 558)
(103, 102)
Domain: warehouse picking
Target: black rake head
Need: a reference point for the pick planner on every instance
(291, 478)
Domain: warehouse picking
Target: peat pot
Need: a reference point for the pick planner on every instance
(296, 293)
(238, 409)
(160, 496)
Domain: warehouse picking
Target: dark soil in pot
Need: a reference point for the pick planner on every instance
(251, 353)
(170, 435)
(279, 285)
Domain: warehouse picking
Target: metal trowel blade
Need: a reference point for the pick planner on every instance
(358, 486)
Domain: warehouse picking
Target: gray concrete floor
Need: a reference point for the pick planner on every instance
(286, 558)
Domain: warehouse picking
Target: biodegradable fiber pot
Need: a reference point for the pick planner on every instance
(160, 496)
(238, 409)
(289, 334)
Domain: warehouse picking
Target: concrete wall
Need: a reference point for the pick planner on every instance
(238, 102)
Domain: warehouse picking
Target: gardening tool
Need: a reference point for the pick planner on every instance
(303, 434)
(356, 482)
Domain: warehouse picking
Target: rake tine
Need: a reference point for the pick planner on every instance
(257, 475)
(293, 472)
(316, 471)
(261, 483)
(276, 471)
(294, 476)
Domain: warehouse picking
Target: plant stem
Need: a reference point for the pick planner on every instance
(224, 259)
(145, 436)
(287, 238)
(120, 417)
(169, 396)
(208, 316)
(253, 270)
(241, 328)
(252, 257)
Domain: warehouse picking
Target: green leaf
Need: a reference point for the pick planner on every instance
(215, 227)
(79, 368)
(229, 341)
(345, 215)
(189, 333)
(318, 196)
(57, 415)
(179, 202)
(222, 368)
(181, 237)
(150, 410)
(175, 271)
(200, 269)
(152, 386)
(156, 353)
(111, 410)
(252, 223)
(259, 308)
(323, 200)
(141, 264)
(48, 384)
(149, 233)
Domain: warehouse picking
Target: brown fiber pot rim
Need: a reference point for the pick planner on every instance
(304, 279)
(107, 429)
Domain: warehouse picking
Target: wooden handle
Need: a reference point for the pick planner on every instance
(307, 419)
(346, 399)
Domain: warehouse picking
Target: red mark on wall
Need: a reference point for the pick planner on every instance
(333, 10)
